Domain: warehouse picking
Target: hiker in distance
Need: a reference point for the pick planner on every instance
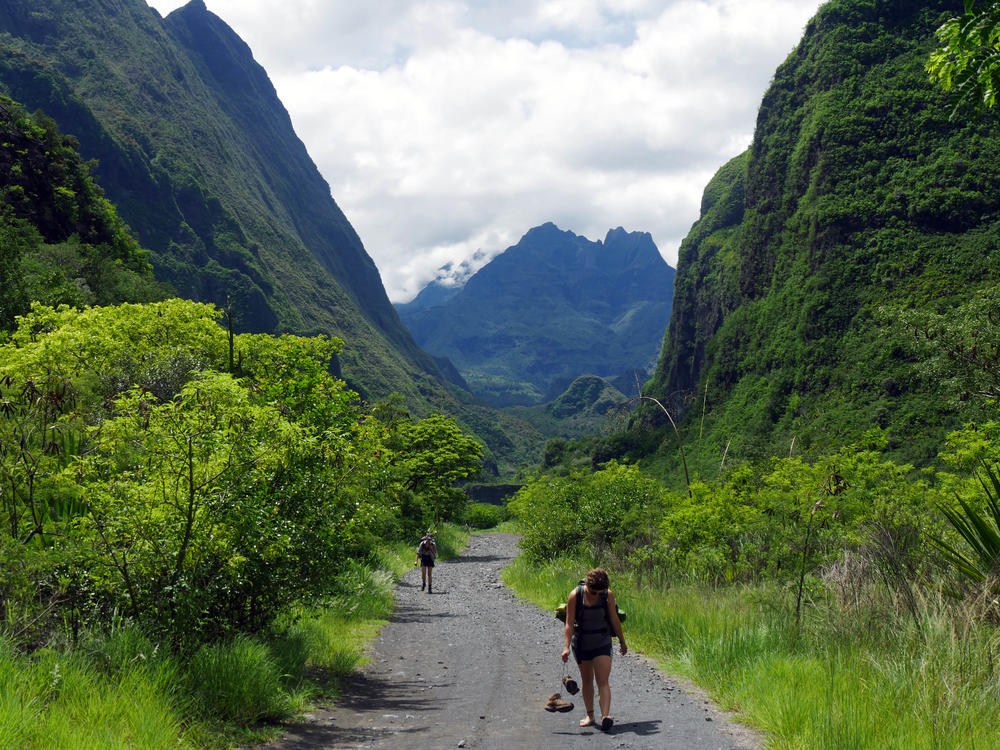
(426, 552)
(591, 621)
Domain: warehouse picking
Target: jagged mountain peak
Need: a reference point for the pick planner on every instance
(548, 309)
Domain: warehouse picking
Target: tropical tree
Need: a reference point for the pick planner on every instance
(967, 62)
(431, 455)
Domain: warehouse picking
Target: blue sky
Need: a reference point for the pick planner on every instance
(447, 127)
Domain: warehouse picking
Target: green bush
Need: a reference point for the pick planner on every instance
(590, 513)
(200, 497)
(779, 520)
(484, 515)
(239, 681)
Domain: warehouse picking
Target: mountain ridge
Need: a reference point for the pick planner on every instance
(857, 196)
(546, 310)
(245, 213)
(195, 150)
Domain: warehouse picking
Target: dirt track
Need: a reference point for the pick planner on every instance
(471, 666)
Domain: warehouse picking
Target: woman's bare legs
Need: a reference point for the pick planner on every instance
(587, 691)
(602, 673)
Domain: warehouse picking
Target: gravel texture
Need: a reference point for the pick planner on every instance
(471, 666)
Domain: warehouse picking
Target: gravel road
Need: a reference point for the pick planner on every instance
(471, 666)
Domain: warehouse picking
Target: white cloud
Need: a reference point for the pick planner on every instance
(447, 127)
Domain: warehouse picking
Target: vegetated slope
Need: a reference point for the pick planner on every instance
(590, 406)
(200, 157)
(549, 309)
(857, 193)
(198, 154)
(61, 241)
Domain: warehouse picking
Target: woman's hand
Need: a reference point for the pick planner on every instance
(565, 654)
(622, 647)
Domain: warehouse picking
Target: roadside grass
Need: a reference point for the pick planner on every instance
(56, 699)
(121, 690)
(873, 675)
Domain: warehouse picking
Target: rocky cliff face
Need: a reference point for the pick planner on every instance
(551, 308)
(857, 194)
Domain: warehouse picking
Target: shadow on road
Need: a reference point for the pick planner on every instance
(306, 737)
(413, 614)
(641, 728)
(393, 698)
(361, 692)
(477, 558)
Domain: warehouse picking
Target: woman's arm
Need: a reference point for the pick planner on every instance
(570, 624)
(616, 624)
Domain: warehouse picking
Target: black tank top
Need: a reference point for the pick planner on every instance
(592, 631)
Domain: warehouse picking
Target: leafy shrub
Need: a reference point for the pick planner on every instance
(591, 513)
(483, 515)
(150, 476)
(778, 520)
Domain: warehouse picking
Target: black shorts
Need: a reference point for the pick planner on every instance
(427, 561)
(591, 654)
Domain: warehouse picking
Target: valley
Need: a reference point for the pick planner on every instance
(220, 441)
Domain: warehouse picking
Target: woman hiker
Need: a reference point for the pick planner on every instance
(426, 552)
(591, 620)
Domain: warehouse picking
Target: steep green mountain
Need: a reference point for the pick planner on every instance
(61, 241)
(590, 406)
(547, 310)
(857, 198)
(200, 157)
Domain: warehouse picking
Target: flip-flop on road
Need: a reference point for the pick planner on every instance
(471, 666)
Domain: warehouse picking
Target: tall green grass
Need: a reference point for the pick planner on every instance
(874, 678)
(122, 690)
(56, 699)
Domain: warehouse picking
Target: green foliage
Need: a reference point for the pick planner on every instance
(105, 351)
(970, 546)
(593, 514)
(484, 515)
(967, 62)
(137, 477)
(63, 242)
(185, 505)
(980, 532)
(432, 455)
(957, 349)
(778, 521)
(857, 194)
(794, 515)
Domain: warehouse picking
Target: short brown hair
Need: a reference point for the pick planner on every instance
(597, 579)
